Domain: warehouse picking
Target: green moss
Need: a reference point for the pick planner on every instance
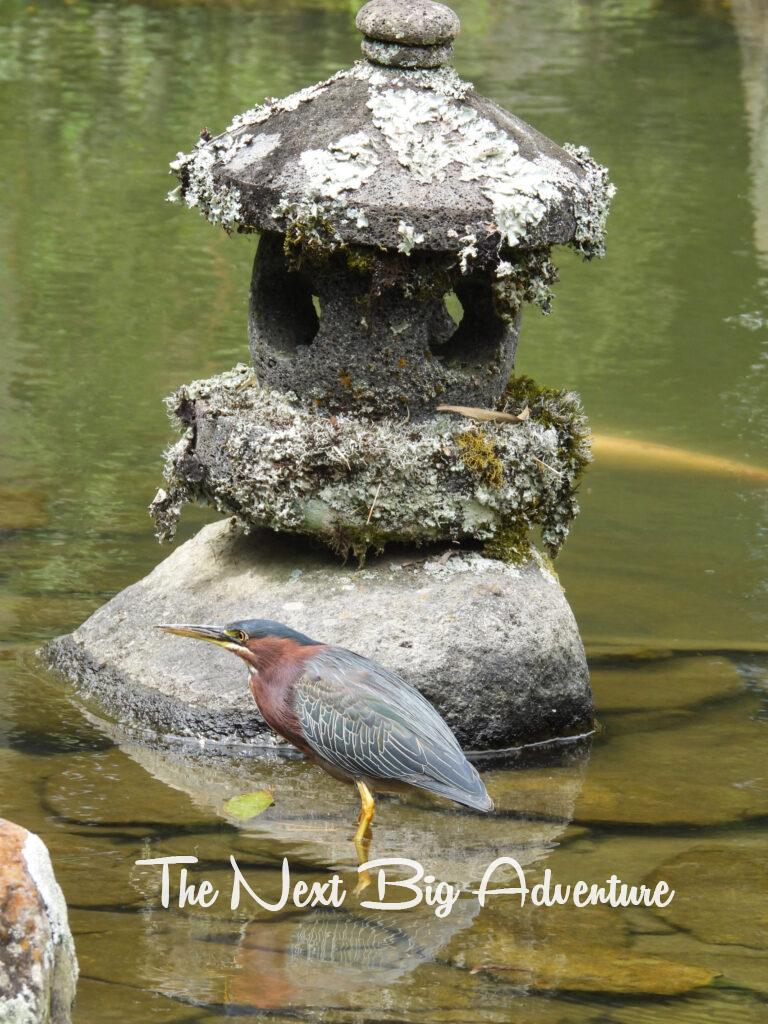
(558, 409)
(309, 234)
(525, 391)
(480, 457)
(360, 261)
(510, 544)
(549, 565)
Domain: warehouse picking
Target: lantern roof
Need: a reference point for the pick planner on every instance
(397, 152)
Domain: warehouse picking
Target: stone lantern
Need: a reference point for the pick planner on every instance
(403, 222)
(387, 198)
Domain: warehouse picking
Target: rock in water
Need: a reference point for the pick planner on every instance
(494, 647)
(38, 966)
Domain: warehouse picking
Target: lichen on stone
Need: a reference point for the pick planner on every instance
(527, 276)
(593, 205)
(358, 484)
(435, 129)
(468, 252)
(309, 227)
(276, 105)
(345, 165)
(444, 81)
(409, 237)
(430, 133)
(219, 202)
(199, 187)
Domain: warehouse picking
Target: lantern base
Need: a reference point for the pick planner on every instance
(359, 484)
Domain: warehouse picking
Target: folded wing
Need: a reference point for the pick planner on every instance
(370, 723)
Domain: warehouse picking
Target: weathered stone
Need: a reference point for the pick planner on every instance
(387, 197)
(495, 648)
(358, 484)
(408, 160)
(416, 22)
(395, 55)
(38, 967)
(396, 352)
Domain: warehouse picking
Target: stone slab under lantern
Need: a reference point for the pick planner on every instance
(494, 647)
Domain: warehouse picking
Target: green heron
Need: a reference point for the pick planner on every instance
(355, 719)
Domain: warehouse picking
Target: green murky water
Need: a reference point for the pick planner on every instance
(111, 298)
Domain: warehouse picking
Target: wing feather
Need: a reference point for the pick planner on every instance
(370, 723)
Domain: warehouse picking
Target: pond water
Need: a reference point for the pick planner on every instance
(111, 298)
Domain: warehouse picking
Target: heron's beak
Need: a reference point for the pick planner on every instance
(213, 634)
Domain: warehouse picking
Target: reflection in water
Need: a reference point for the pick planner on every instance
(330, 957)
(311, 821)
(751, 21)
(636, 809)
(284, 959)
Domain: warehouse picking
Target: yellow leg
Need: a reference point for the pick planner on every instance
(362, 836)
(367, 810)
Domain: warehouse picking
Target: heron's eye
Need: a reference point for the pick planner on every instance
(238, 634)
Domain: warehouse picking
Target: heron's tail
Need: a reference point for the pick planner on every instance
(471, 794)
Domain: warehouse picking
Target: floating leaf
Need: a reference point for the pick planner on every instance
(248, 805)
(486, 414)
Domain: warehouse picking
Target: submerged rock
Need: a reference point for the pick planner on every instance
(38, 966)
(713, 780)
(494, 647)
(713, 912)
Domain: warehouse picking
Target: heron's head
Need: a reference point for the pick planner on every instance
(247, 638)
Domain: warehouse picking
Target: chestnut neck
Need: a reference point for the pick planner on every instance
(273, 653)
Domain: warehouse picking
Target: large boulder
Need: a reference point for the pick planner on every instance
(38, 966)
(495, 647)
